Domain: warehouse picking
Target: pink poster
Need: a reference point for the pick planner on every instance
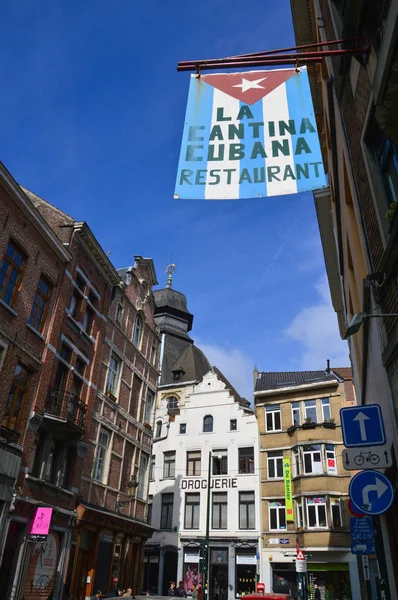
(41, 523)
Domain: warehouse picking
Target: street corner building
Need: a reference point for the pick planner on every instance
(204, 433)
(304, 487)
(249, 135)
(78, 371)
(355, 101)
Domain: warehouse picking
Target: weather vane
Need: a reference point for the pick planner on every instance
(169, 270)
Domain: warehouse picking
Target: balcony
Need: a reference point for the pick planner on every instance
(66, 407)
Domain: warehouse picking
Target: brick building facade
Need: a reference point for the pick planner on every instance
(78, 375)
(355, 99)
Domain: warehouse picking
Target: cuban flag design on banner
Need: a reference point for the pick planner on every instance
(249, 135)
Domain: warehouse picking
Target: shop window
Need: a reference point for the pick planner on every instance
(277, 515)
(246, 565)
(152, 468)
(183, 428)
(337, 516)
(310, 411)
(39, 309)
(208, 424)
(101, 455)
(219, 510)
(247, 515)
(296, 413)
(330, 459)
(246, 460)
(220, 462)
(273, 418)
(233, 425)
(169, 464)
(316, 513)
(166, 515)
(16, 399)
(194, 463)
(312, 457)
(11, 270)
(192, 511)
(326, 412)
(275, 465)
(114, 369)
(137, 331)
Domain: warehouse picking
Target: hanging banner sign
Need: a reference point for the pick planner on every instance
(41, 524)
(287, 477)
(249, 135)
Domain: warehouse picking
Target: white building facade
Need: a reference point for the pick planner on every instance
(193, 421)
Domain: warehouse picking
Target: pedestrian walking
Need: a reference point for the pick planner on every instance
(172, 589)
(180, 592)
(317, 595)
(195, 594)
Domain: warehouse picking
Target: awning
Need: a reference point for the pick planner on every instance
(104, 518)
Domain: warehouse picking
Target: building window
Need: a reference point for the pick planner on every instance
(112, 382)
(10, 272)
(337, 517)
(183, 428)
(144, 460)
(386, 156)
(273, 417)
(150, 396)
(246, 460)
(80, 282)
(277, 515)
(169, 464)
(275, 465)
(193, 463)
(247, 515)
(299, 513)
(219, 510)
(137, 330)
(16, 399)
(39, 309)
(101, 455)
(172, 403)
(310, 411)
(312, 456)
(208, 424)
(296, 462)
(192, 508)
(158, 432)
(88, 320)
(166, 515)
(149, 513)
(316, 513)
(220, 462)
(154, 349)
(330, 459)
(75, 303)
(326, 414)
(296, 413)
(152, 468)
(119, 312)
(233, 424)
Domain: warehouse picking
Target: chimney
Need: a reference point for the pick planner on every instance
(255, 376)
(328, 366)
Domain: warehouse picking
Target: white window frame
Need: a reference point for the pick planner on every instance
(280, 510)
(312, 402)
(102, 454)
(316, 505)
(326, 402)
(274, 459)
(336, 502)
(296, 407)
(296, 464)
(158, 430)
(149, 402)
(299, 512)
(330, 454)
(137, 327)
(272, 410)
(113, 375)
(142, 475)
(152, 467)
(312, 452)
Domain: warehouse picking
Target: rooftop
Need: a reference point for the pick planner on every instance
(283, 379)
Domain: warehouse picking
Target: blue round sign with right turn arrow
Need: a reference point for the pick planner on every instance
(371, 492)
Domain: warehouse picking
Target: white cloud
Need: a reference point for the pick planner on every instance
(316, 328)
(234, 365)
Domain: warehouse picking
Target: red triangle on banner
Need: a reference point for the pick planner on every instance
(249, 87)
(300, 555)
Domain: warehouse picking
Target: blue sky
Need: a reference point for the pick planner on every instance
(92, 115)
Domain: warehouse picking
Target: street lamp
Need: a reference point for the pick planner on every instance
(358, 319)
(131, 491)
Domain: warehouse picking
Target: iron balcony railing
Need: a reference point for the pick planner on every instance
(67, 406)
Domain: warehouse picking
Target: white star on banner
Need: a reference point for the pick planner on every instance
(250, 85)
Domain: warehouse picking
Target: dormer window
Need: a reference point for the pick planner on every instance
(178, 373)
(208, 424)
(172, 403)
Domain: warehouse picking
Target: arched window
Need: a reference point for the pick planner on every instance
(172, 402)
(158, 429)
(208, 423)
(137, 331)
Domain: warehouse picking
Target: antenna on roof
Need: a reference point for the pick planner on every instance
(169, 270)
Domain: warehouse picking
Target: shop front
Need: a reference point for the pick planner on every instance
(332, 579)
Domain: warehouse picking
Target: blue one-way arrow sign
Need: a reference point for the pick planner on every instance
(362, 426)
(371, 492)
